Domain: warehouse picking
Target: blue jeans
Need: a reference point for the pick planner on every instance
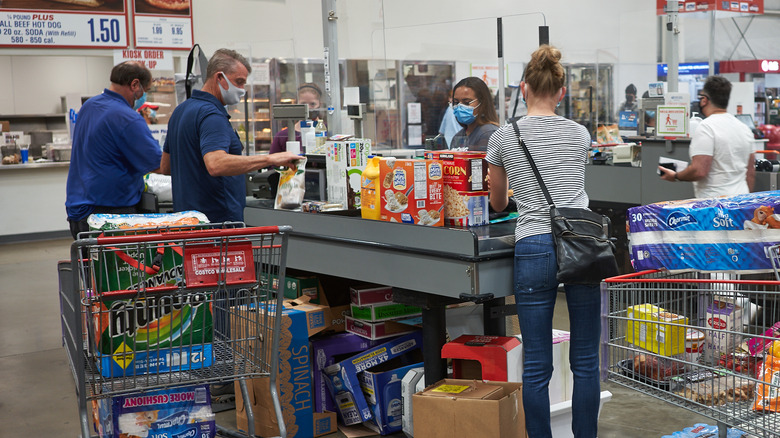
(535, 289)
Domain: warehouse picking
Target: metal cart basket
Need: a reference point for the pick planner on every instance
(701, 341)
(159, 308)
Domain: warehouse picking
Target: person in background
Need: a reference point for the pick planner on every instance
(311, 95)
(721, 151)
(559, 148)
(149, 113)
(449, 124)
(630, 103)
(112, 149)
(202, 152)
(472, 103)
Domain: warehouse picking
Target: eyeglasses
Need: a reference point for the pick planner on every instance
(701, 96)
(455, 102)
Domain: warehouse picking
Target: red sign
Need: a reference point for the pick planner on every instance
(741, 6)
(205, 265)
(750, 66)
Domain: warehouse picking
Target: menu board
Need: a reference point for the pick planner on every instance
(63, 23)
(162, 24)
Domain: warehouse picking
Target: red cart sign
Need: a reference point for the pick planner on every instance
(205, 265)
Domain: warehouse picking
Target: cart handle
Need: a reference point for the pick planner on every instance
(195, 234)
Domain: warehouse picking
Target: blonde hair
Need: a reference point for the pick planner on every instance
(544, 73)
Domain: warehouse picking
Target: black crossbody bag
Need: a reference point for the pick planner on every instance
(586, 254)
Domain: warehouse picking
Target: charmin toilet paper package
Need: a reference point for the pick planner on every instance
(714, 234)
(178, 412)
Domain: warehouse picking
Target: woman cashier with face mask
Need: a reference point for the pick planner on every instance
(472, 103)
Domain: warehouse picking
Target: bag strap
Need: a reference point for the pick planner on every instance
(190, 63)
(533, 166)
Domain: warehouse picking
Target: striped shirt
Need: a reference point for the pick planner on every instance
(559, 148)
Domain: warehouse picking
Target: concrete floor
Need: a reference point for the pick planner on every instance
(38, 394)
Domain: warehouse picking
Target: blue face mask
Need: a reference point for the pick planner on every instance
(464, 114)
(140, 101)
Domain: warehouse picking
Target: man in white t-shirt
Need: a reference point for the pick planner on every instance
(722, 159)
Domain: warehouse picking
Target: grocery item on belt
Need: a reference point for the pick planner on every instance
(465, 208)
(292, 186)
(463, 170)
(411, 191)
(713, 234)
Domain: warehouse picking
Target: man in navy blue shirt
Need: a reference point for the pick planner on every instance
(112, 149)
(202, 152)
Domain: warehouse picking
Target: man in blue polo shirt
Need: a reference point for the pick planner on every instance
(112, 149)
(202, 152)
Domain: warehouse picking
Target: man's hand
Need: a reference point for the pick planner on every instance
(667, 174)
(283, 159)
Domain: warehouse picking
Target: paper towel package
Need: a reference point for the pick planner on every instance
(714, 234)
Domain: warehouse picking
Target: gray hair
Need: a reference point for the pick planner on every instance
(224, 60)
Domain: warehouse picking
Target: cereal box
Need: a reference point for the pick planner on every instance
(411, 191)
(712, 234)
(344, 164)
(463, 170)
(465, 208)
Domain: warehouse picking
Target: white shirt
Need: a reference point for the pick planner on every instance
(729, 142)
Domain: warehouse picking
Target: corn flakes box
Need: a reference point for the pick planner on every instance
(411, 191)
(464, 171)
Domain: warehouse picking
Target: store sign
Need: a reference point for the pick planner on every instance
(151, 58)
(685, 69)
(157, 28)
(671, 121)
(62, 25)
(768, 66)
(741, 7)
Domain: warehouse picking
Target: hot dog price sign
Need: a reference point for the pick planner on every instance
(54, 29)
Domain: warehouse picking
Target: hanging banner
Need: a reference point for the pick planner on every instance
(162, 24)
(83, 24)
(742, 6)
(160, 60)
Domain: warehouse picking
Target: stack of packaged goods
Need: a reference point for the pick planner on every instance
(376, 316)
(465, 187)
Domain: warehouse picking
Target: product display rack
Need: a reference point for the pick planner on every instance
(644, 348)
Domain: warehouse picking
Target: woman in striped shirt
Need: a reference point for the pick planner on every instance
(559, 148)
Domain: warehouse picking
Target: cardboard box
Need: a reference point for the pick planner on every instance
(344, 165)
(178, 412)
(646, 329)
(384, 311)
(297, 286)
(500, 357)
(722, 317)
(342, 377)
(5, 126)
(465, 209)
(411, 191)
(728, 233)
(493, 409)
(377, 330)
(382, 388)
(365, 295)
(408, 388)
(301, 319)
(463, 170)
(326, 351)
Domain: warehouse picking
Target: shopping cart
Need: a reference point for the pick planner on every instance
(697, 340)
(153, 309)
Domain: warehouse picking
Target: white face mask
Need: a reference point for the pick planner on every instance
(233, 94)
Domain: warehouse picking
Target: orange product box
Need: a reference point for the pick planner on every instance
(411, 191)
(464, 171)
